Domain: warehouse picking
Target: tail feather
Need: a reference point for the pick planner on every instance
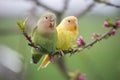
(36, 58)
(45, 62)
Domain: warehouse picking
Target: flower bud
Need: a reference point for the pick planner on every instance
(82, 77)
(80, 41)
(95, 36)
(117, 23)
(106, 24)
(112, 32)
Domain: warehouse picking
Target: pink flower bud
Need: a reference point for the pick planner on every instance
(106, 24)
(117, 23)
(80, 41)
(82, 77)
(94, 36)
(112, 32)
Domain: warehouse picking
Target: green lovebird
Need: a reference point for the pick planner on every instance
(45, 35)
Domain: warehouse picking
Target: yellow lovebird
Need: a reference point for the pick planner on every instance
(67, 32)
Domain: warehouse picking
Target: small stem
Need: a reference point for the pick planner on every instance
(108, 3)
(91, 43)
(101, 37)
(30, 41)
(27, 37)
(38, 47)
(45, 7)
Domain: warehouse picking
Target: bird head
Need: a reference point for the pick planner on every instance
(47, 21)
(70, 23)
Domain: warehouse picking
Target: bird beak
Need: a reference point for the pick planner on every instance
(76, 22)
(52, 24)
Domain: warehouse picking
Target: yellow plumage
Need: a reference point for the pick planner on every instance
(65, 38)
(67, 32)
(45, 62)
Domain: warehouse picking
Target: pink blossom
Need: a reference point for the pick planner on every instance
(80, 41)
(112, 32)
(106, 24)
(94, 36)
(82, 77)
(117, 23)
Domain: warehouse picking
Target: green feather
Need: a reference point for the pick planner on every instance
(46, 39)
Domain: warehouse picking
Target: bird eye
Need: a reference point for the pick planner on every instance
(68, 20)
(46, 17)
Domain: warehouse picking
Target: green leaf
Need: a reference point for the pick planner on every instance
(25, 21)
(21, 25)
(109, 21)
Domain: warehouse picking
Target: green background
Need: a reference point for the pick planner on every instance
(100, 62)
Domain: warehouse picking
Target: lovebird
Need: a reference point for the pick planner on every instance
(67, 32)
(45, 36)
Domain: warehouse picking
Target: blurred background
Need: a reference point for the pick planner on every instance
(100, 62)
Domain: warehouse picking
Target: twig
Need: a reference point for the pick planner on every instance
(59, 15)
(30, 41)
(66, 2)
(103, 36)
(31, 15)
(71, 50)
(46, 7)
(89, 7)
(60, 62)
(108, 3)
(38, 47)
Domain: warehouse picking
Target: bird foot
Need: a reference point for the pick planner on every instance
(73, 50)
(61, 52)
(52, 57)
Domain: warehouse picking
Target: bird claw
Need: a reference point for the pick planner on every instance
(37, 47)
(52, 57)
(61, 52)
(73, 50)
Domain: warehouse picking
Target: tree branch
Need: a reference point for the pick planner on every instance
(108, 3)
(59, 15)
(66, 2)
(103, 36)
(89, 7)
(46, 7)
(79, 48)
(60, 62)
